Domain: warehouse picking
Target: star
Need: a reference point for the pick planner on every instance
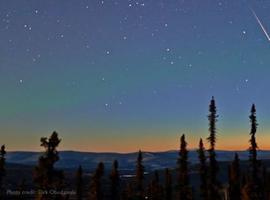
(199, 52)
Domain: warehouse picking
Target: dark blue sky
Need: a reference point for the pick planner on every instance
(123, 75)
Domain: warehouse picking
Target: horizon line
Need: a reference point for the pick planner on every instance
(130, 152)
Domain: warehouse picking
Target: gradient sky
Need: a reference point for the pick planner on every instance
(123, 75)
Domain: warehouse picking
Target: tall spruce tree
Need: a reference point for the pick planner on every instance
(79, 183)
(2, 170)
(255, 187)
(235, 179)
(183, 176)
(46, 176)
(213, 189)
(168, 184)
(96, 191)
(139, 176)
(115, 181)
(253, 144)
(202, 171)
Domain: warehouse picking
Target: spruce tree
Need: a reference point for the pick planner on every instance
(168, 184)
(79, 183)
(183, 176)
(2, 169)
(139, 176)
(45, 175)
(115, 181)
(202, 170)
(253, 144)
(213, 189)
(235, 179)
(255, 182)
(96, 192)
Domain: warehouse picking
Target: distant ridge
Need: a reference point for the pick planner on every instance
(152, 160)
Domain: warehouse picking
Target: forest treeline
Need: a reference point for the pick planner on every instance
(252, 183)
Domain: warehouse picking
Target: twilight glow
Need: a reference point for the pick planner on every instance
(123, 75)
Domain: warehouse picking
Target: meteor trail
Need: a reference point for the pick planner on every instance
(260, 23)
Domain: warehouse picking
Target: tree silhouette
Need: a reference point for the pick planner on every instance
(139, 176)
(254, 187)
(235, 179)
(183, 177)
(168, 184)
(115, 182)
(79, 183)
(202, 170)
(46, 176)
(213, 189)
(2, 169)
(253, 145)
(96, 192)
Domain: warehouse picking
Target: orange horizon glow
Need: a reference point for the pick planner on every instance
(158, 143)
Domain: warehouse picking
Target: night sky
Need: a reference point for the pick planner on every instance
(123, 75)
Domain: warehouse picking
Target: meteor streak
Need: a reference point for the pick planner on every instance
(260, 23)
